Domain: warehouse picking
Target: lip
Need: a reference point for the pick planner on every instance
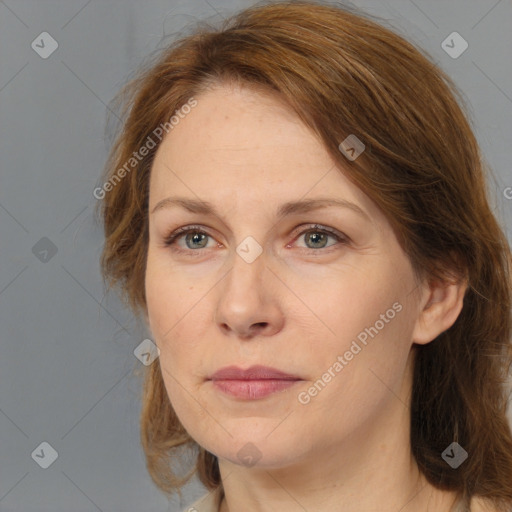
(256, 372)
(252, 383)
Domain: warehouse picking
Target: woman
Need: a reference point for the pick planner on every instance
(297, 206)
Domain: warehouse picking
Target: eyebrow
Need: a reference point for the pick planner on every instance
(290, 208)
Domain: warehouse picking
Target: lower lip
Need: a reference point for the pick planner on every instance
(253, 389)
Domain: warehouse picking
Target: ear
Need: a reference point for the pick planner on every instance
(440, 304)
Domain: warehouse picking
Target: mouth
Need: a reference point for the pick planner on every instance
(252, 383)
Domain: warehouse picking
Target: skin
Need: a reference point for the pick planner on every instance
(296, 307)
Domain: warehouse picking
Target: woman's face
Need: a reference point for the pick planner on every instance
(322, 294)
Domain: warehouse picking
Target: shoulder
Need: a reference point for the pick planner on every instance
(207, 503)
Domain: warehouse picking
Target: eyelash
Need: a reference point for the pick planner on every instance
(170, 240)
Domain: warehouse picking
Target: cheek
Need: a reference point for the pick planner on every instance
(367, 319)
(170, 318)
(347, 303)
(168, 307)
(353, 380)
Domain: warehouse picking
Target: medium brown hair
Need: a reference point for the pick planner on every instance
(343, 73)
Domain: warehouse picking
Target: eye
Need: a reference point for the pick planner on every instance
(196, 238)
(318, 236)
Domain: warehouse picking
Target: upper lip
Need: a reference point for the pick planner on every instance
(256, 372)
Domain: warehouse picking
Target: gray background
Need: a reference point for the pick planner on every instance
(67, 366)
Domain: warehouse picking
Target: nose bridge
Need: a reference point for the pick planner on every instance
(245, 301)
(246, 276)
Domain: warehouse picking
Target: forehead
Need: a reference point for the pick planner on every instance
(236, 124)
(246, 146)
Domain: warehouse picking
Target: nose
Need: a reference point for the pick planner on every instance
(248, 304)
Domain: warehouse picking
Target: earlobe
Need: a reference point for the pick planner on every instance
(440, 307)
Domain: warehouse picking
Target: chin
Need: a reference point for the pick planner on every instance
(258, 451)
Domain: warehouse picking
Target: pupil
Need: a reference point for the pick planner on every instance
(316, 236)
(195, 237)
